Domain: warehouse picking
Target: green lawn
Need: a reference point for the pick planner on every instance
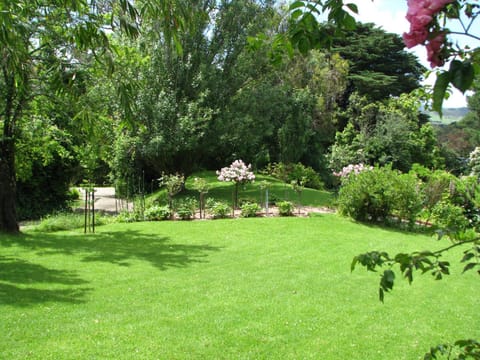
(277, 288)
(278, 191)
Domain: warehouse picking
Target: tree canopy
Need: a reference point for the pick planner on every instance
(379, 67)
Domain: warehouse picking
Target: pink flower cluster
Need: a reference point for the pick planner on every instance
(352, 169)
(236, 172)
(420, 14)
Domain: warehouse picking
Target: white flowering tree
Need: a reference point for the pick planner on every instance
(238, 173)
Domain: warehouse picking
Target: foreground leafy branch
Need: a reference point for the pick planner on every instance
(426, 261)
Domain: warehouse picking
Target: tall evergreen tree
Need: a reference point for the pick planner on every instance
(379, 67)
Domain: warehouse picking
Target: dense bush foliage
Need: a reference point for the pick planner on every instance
(376, 194)
(218, 209)
(158, 212)
(295, 173)
(382, 194)
(249, 209)
(186, 208)
(285, 208)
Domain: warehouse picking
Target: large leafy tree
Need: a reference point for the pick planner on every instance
(43, 44)
(381, 133)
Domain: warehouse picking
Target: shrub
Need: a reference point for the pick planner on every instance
(306, 174)
(295, 172)
(366, 196)
(157, 212)
(449, 217)
(218, 209)
(249, 209)
(187, 207)
(436, 186)
(174, 183)
(128, 217)
(374, 195)
(245, 200)
(285, 208)
(407, 198)
(185, 213)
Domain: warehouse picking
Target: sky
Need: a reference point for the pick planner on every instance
(390, 15)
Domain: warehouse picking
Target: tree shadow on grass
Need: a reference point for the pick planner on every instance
(19, 281)
(121, 248)
(27, 296)
(116, 247)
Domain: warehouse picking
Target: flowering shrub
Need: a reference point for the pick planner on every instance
(237, 172)
(352, 169)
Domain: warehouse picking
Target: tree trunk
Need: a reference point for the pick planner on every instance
(8, 212)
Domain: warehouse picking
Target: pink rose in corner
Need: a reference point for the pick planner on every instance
(420, 14)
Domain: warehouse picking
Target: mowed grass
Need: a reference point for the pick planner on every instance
(278, 191)
(277, 288)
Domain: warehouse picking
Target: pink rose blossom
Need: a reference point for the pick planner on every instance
(420, 14)
(434, 48)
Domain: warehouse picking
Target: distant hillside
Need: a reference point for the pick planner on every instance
(450, 115)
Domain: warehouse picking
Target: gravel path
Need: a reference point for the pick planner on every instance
(105, 201)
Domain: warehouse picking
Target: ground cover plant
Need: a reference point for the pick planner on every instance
(278, 288)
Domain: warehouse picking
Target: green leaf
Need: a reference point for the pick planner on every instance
(353, 7)
(469, 266)
(304, 45)
(296, 5)
(461, 74)
(354, 263)
(439, 90)
(467, 256)
(296, 14)
(349, 22)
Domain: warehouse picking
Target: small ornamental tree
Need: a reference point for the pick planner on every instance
(202, 186)
(238, 173)
(174, 184)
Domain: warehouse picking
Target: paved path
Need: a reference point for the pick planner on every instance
(105, 200)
